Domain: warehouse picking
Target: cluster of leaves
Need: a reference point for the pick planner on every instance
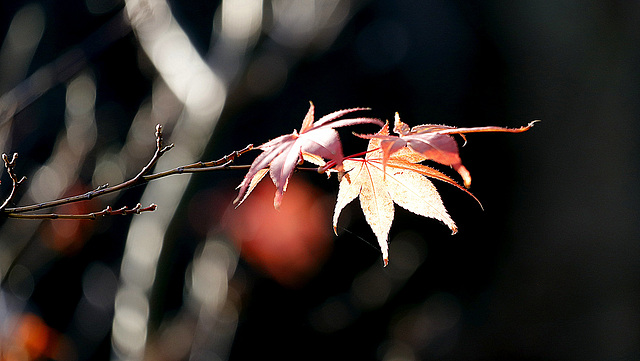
(389, 172)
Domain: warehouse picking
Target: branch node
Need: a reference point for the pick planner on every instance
(166, 148)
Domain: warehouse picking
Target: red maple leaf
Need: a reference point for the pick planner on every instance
(402, 181)
(433, 142)
(282, 154)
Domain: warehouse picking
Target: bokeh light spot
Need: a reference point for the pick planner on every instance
(289, 244)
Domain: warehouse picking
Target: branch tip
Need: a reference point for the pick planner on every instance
(166, 148)
(9, 165)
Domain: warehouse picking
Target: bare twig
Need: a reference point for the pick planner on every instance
(9, 164)
(140, 178)
(90, 216)
(104, 189)
(222, 163)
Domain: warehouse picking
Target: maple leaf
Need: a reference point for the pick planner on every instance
(433, 142)
(282, 154)
(399, 180)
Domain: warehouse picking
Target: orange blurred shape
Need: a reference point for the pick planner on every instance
(68, 236)
(289, 244)
(32, 340)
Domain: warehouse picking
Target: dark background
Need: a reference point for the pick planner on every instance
(549, 270)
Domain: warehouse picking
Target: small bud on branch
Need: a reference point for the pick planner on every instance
(9, 165)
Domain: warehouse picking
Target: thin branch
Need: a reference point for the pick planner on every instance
(222, 163)
(89, 216)
(9, 164)
(141, 178)
(104, 189)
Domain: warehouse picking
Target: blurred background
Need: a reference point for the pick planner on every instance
(549, 270)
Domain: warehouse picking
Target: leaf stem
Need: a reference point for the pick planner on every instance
(332, 163)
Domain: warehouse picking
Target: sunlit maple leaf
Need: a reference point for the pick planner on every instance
(282, 154)
(401, 181)
(434, 142)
